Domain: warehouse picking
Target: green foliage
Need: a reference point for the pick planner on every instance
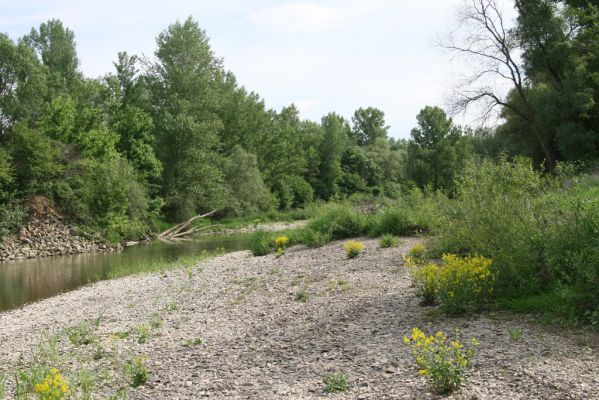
(388, 240)
(302, 297)
(394, 221)
(335, 383)
(442, 360)
(137, 370)
(261, 243)
(338, 221)
(12, 217)
(433, 157)
(249, 194)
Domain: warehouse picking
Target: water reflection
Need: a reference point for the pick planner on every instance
(25, 281)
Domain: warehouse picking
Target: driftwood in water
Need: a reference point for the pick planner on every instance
(181, 230)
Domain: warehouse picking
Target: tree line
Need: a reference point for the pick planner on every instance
(170, 137)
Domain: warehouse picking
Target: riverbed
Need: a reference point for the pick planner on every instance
(25, 281)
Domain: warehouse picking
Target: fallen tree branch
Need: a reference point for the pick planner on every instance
(178, 230)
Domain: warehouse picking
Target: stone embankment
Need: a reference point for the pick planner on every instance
(47, 234)
(49, 237)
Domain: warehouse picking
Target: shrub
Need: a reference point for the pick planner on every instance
(388, 240)
(353, 248)
(313, 238)
(458, 284)
(464, 284)
(426, 280)
(441, 360)
(335, 383)
(12, 217)
(53, 387)
(260, 243)
(393, 221)
(339, 221)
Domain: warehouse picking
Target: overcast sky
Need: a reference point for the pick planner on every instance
(328, 55)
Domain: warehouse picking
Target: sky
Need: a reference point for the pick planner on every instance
(323, 56)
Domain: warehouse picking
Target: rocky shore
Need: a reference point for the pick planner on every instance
(236, 327)
(49, 236)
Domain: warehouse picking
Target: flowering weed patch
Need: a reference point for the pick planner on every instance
(53, 387)
(353, 248)
(442, 360)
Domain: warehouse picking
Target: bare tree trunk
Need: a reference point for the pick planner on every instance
(180, 230)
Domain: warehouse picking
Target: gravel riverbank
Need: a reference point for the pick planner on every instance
(260, 342)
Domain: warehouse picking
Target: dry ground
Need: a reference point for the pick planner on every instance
(259, 342)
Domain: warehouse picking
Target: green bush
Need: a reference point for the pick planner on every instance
(315, 239)
(388, 240)
(340, 221)
(12, 218)
(392, 221)
(540, 231)
(261, 243)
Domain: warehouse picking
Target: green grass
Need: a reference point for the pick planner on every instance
(161, 265)
(335, 383)
(388, 240)
(302, 297)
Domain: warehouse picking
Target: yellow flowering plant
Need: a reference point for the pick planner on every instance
(280, 245)
(464, 283)
(417, 252)
(457, 284)
(353, 248)
(281, 242)
(53, 387)
(442, 360)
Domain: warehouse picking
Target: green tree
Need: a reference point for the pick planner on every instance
(55, 46)
(432, 151)
(22, 84)
(331, 149)
(368, 125)
(248, 193)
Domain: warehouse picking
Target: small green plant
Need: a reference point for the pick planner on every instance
(193, 342)
(353, 248)
(98, 352)
(156, 322)
(442, 360)
(53, 387)
(121, 394)
(143, 333)
(172, 306)
(335, 383)
(137, 370)
(388, 240)
(302, 297)
(279, 252)
(120, 335)
(515, 334)
(81, 335)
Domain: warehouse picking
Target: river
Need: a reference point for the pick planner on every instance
(25, 281)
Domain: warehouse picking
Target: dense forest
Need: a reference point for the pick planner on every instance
(165, 138)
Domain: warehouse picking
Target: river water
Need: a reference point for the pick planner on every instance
(25, 281)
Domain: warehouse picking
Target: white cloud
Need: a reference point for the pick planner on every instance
(299, 17)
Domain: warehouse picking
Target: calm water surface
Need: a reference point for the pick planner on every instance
(25, 281)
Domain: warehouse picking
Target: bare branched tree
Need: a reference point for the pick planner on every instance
(482, 39)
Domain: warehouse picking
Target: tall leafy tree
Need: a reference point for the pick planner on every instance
(334, 141)
(55, 46)
(432, 152)
(368, 125)
(186, 124)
